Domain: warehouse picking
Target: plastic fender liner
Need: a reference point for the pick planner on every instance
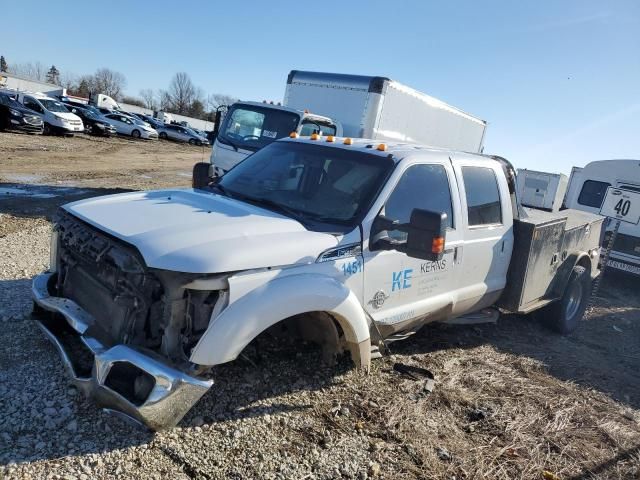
(281, 298)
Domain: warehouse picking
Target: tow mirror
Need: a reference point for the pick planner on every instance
(426, 235)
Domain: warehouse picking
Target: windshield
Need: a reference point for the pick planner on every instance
(53, 105)
(252, 128)
(309, 182)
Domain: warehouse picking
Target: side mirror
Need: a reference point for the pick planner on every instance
(426, 235)
(426, 232)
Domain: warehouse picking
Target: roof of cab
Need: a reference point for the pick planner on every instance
(394, 150)
(282, 107)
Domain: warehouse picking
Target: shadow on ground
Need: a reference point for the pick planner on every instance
(33, 201)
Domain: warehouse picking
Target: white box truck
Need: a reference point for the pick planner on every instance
(382, 109)
(541, 190)
(587, 188)
(355, 106)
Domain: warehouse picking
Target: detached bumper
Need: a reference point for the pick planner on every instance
(121, 378)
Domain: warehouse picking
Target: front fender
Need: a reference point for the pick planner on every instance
(281, 298)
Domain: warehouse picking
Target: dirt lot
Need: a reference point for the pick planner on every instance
(511, 399)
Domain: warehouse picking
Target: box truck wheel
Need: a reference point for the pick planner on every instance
(201, 177)
(564, 315)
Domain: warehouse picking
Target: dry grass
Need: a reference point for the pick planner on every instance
(492, 415)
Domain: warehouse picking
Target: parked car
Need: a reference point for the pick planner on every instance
(14, 115)
(181, 134)
(94, 124)
(154, 122)
(56, 117)
(125, 125)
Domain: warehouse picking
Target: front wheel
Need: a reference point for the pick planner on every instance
(46, 130)
(135, 134)
(192, 141)
(565, 314)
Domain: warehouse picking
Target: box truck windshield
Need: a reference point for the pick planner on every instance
(252, 128)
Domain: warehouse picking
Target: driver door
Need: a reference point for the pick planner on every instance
(400, 292)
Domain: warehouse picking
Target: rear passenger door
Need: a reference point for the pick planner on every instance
(487, 226)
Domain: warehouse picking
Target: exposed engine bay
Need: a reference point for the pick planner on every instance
(166, 312)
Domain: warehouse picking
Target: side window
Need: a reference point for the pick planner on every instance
(483, 196)
(592, 193)
(32, 104)
(421, 186)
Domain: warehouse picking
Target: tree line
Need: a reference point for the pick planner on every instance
(181, 96)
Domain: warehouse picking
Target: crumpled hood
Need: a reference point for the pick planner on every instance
(197, 232)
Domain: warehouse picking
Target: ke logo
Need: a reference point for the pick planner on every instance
(401, 280)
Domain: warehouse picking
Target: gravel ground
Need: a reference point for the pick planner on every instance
(511, 400)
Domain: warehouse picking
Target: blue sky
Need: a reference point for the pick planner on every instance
(558, 82)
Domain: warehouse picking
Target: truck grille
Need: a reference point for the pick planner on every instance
(109, 279)
(627, 244)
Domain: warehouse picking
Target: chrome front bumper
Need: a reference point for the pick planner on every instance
(170, 393)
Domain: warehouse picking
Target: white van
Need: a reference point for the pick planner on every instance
(57, 118)
(587, 188)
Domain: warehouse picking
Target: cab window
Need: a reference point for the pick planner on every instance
(421, 186)
(310, 127)
(592, 193)
(483, 196)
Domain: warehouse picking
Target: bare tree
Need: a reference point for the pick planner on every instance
(181, 93)
(108, 82)
(215, 100)
(149, 98)
(33, 71)
(69, 81)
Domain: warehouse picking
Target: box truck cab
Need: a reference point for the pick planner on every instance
(55, 115)
(101, 100)
(586, 191)
(249, 126)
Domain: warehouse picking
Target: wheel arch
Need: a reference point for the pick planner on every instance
(279, 300)
(577, 259)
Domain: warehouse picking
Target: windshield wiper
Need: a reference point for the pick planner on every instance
(229, 142)
(264, 202)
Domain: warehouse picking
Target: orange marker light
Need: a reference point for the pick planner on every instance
(293, 135)
(348, 141)
(330, 138)
(315, 136)
(437, 246)
(382, 147)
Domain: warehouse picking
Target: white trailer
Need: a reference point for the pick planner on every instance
(164, 117)
(382, 109)
(101, 100)
(541, 190)
(587, 189)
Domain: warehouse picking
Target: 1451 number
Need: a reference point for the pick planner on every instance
(350, 268)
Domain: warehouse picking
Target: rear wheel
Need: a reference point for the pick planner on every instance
(135, 134)
(46, 130)
(564, 315)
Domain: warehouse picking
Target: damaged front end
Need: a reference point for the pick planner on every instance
(125, 331)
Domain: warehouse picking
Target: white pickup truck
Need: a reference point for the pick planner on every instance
(350, 242)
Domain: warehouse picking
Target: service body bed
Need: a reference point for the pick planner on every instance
(547, 245)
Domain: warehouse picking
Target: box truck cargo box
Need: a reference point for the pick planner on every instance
(383, 109)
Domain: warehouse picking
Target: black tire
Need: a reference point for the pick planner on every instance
(46, 130)
(135, 133)
(200, 177)
(163, 135)
(564, 315)
(192, 141)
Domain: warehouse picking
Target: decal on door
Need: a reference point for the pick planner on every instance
(401, 280)
(378, 299)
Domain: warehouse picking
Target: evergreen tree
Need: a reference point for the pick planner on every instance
(53, 75)
(3, 64)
